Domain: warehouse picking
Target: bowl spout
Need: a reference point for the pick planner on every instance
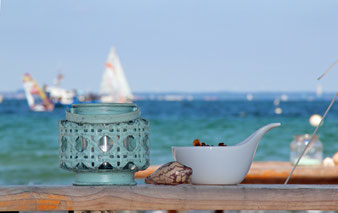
(252, 141)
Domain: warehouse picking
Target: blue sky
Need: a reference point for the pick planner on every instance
(172, 45)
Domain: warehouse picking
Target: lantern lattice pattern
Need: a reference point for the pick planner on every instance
(97, 148)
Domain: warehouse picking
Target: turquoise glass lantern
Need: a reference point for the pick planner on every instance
(104, 144)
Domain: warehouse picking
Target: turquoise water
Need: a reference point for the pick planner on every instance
(29, 147)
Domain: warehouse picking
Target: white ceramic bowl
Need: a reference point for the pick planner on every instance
(214, 165)
(221, 164)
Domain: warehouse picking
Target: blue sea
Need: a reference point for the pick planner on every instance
(29, 146)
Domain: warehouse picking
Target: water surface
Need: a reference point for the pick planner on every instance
(29, 147)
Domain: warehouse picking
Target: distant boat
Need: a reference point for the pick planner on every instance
(114, 85)
(276, 101)
(319, 90)
(249, 97)
(284, 97)
(36, 97)
(1, 99)
(60, 96)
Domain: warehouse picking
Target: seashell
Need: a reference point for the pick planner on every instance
(171, 173)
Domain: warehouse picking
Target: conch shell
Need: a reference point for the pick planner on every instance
(171, 173)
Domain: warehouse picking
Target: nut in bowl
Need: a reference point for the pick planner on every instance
(221, 164)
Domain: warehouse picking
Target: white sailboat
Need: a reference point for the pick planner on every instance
(319, 90)
(249, 97)
(114, 85)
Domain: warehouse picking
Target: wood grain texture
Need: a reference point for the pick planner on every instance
(277, 172)
(182, 197)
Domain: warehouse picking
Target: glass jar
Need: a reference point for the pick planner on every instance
(314, 154)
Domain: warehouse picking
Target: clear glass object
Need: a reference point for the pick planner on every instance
(314, 154)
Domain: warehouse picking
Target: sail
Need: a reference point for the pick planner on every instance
(319, 90)
(114, 85)
(34, 95)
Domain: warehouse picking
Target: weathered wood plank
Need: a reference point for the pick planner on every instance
(182, 197)
(277, 172)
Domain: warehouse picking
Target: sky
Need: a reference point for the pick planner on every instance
(172, 45)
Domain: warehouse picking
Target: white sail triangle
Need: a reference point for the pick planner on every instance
(114, 85)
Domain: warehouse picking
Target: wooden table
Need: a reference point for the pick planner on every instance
(277, 172)
(182, 197)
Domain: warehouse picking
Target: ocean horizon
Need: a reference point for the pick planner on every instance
(210, 96)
